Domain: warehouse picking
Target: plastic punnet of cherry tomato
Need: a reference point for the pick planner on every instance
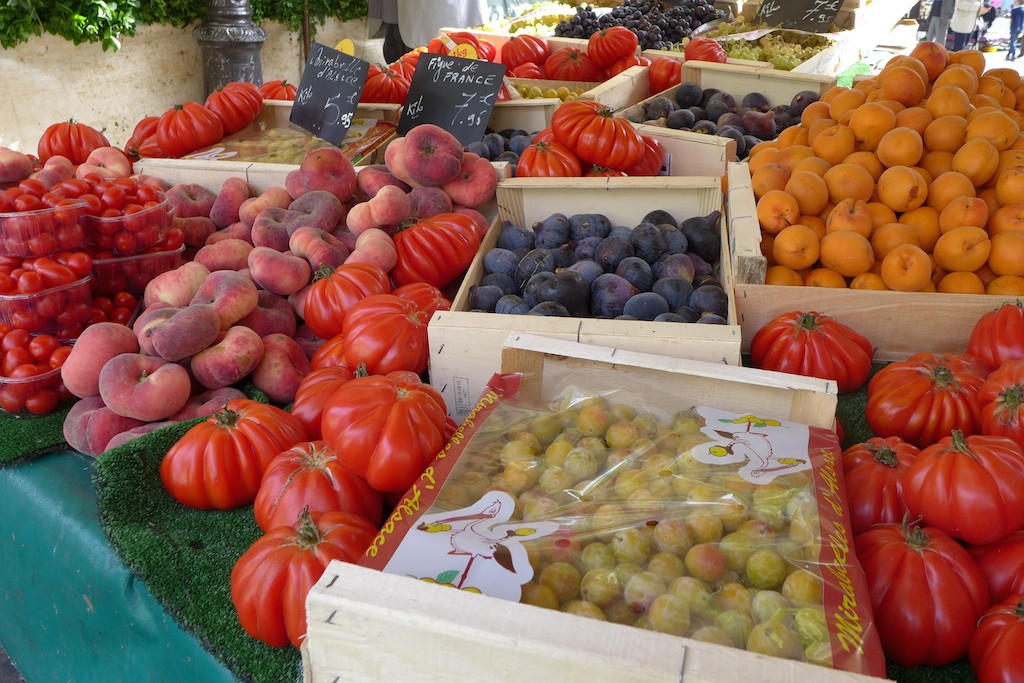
(37, 221)
(30, 371)
(46, 294)
(119, 308)
(112, 273)
(123, 216)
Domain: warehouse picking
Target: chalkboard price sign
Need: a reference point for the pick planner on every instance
(816, 16)
(454, 93)
(328, 93)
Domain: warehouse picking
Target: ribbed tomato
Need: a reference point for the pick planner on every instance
(1002, 401)
(652, 161)
(548, 159)
(998, 336)
(594, 134)
(705, 50)
(142, 142)
(427, 297)
(663, 73)
(997, 647)
(528, 70)
(971, 487)
(609, 45)
(309, 476)
(70, 139)
(626, 62)
(572, 64)
(384, 85)
(270, 581)
(335, 290)
(874, 471)
(236, 104)
(1002, 563)
(435, 250)
(596, 171)
(313, 392)
(925, 397)
(278, 90)
(813, 345)
(184, 128)
(524, 49)
(330, 354)
(386, 333)
(926, 592)
(219, 462)
(387, 428)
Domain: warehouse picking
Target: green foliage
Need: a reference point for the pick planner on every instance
(106, 21)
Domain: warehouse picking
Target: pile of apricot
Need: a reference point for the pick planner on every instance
(910, 180)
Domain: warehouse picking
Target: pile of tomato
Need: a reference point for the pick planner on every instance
(937, 496)
(46, 294)
(37, 221)
(30, 371)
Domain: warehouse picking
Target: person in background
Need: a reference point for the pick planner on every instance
(964, 21)
(938, 21)
(387, 12)
(1016, 24)
(985, 20)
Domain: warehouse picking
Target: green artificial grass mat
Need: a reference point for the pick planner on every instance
(845, 79)
(185, 556)
(24, 437)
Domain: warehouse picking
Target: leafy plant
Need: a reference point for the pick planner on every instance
(107, 21)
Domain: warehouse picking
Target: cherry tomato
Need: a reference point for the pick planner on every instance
(14, 338)
(102, 303)
(174, 238)
(125, 242)
(13, 193)
(42, 346)
(148, 193)
(33, 186)
(42, 244)
(27, 202)
(6, 203)
(42, 402)
(120, 315)
(30, 282)
(125, 300)
(73, 187)
(53, 273)
(59, 355)
(6, 284)
(24, 370)
(97, 315)
(114, 197)
(94, 179)
(130, 185)
(10, 399)
(93, 204)
(19, 355)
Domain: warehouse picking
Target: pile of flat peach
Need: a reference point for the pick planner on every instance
(910, 180)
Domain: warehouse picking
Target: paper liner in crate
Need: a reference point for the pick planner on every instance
(689, 520)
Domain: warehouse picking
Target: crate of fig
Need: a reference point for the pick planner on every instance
(630, 262)
(701, 504)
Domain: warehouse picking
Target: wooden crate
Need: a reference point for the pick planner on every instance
(680, 57)
(498, 40)
(453, 635)
(692, 154)
(898, 324)
(465, 347)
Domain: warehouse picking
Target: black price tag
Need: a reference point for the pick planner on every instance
(815, 16)
(453, 93)
(328, 93)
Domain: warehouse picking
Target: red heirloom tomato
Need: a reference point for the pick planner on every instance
(427, 297)
(142, 142)
(187, 127)
(524, 49)
(437, 46)
(705, 50)
(313, 392)
(385, 85)
(971, 487)
(653, 159)
(1002, 401)
(309, 475)
(270, 581)
(278, 90)
(435, 250)
(571, 64)
(626, 62)
(925, 397)
(813, 345)
(387, 428)
(528, 70)
(386, 333)
(874, 471)
(236, 104)
(664, 73)
(331, 353)
(998, 336)
(335, 290)
(926, 592)
(596, 171)
(219, 462)
(997, 647)
(548, 159)
(609, 45)
(1002, 563)
(70, 139)
(594, 134)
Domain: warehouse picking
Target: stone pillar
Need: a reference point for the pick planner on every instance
(231, 44)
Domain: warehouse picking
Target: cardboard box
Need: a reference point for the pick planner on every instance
(453, 635)
(898, 324)
(465, 347)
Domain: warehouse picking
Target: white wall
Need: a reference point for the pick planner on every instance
(49, 79)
